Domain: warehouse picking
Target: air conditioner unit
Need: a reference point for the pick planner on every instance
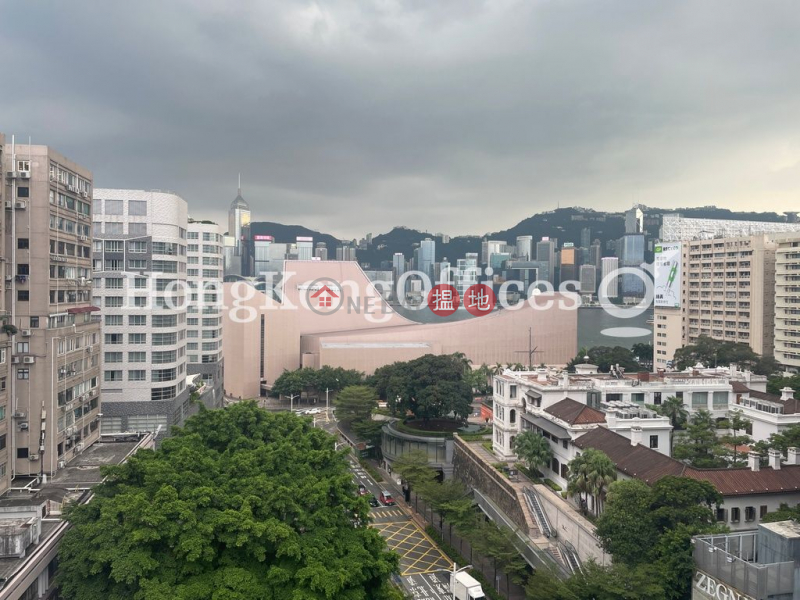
(15, 360)
(21, 204)
(84, 238)
(20, 414)
(24, 174)
(23, 425)
(33, 457)
(88, 349)
(70, 430)
(62, 464)
(9, 278)
(8, 205)
(84, 194)
(26, 332)
(79, 447)
(28, 360)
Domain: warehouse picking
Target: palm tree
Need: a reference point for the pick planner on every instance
(517, 367)
(533, 449)
(673, 408)
(578, 479)
(602, 472)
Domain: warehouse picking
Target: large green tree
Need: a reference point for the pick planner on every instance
(241, 504)
(318, 381)
(355, 403)
(594, 582)
(605, 357)
(710, 353)
(430, 386)
(590, 474)
(699, 445)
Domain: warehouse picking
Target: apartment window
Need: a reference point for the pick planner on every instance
(115, 246)
(163, 393)
(656, 398)
(113, 207)
(23, 295)
(137, 338)
(137, 320)
(113, 320)
(113, 338)
(113, 265)
(137, 375)
(161, 375)
(165, 248)
(112, 376)
(22, 453)
(699, 399)
(137, 247)
(113, 302)
(23, 269)
(147, 422)
(2, 442)
(135, 357)
(140, 301)
(23, 192)
(23, 347)
(654, 441)
(137, 208)
(762, 511)
(140, 283)
(210, 358)
(114, 228)
(137, 264)
(114, 283)
(165, 266)
(137, 228)
(165, 339)
(23, 374)
(720, 400)
(113, 357)
(735, 515)
(23, 243)
(750, 513)
(209, 346)
(162, 357)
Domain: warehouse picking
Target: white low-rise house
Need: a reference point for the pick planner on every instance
(768, 413)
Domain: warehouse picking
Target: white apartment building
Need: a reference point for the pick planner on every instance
(204, 274)
(787, 300)
(140, 286)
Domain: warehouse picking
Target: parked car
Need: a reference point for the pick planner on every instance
(386, 498)
(373, 501)
(313, 411)
(362, 489)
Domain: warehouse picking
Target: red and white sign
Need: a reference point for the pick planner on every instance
(443, 300)
(325, 296)
(479, 300)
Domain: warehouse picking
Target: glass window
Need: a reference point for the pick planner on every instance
(137, 320)
(137, 375)
(113, 207)
(137, 208)
(136, 357)
(699, 399)
(137, 228)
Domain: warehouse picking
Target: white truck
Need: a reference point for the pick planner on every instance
(465, 587)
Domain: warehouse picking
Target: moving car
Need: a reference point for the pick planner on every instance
(386, 498)
(362, 489)
(373, 501)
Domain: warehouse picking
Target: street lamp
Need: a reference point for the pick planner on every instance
(291, 402)
(453, 578)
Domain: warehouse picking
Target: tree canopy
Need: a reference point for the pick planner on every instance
(241, 504)
(533, 449)
(605, 357)
(307, 379)
(430, 386)
(355, 403)
(710, 352)
(644, 525)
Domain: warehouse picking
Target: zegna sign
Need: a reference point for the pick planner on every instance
(715, 590)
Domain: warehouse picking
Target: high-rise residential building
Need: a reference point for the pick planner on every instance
(238, 218)
(588, 279)
(634, 220)
(305, 248)
(203, 310)
(321, 251)
(725, 289)
(489, 247)
(525, 247)
(595, 254)
(427, 257)
(5, 359)
(140, 268)
(610, 264)
(546, 253)
(262, 246)
(346, 252)
(467, 272)
(631, 255)
(51, 412)
(398, 268)
(787, 300)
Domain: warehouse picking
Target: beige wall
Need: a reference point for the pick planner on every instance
(295, 337)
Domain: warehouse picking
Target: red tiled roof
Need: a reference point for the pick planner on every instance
(739, 388)
(650, 466)
(575, 413)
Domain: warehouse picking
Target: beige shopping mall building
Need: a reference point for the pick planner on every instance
(266, 334)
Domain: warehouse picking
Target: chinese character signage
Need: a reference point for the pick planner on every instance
(667, 275)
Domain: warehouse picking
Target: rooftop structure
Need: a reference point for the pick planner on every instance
(676, 228)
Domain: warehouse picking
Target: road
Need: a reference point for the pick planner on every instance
(423, 566)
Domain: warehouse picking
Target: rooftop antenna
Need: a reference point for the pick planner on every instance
(240, 184)
(530, 351)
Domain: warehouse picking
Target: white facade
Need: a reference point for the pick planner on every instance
(204, 317)
(787, 300)
(675, 228)
(525, 247)
(610, 264)
(140, 286)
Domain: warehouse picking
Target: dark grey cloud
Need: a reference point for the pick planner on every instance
(455, 115)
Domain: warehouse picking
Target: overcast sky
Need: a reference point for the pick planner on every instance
(447, 115)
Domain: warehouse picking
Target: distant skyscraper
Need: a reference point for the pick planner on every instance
(634, 220)
(631, 247)
(321, 251)
(466, 272)
(546, 253)
(238, 217)
(427, 256)
(305, 248)
(588, 279)
(595, 254)
(610, 265)
(489, 247)
(525, 247)
(586, 237)
(569, 263)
